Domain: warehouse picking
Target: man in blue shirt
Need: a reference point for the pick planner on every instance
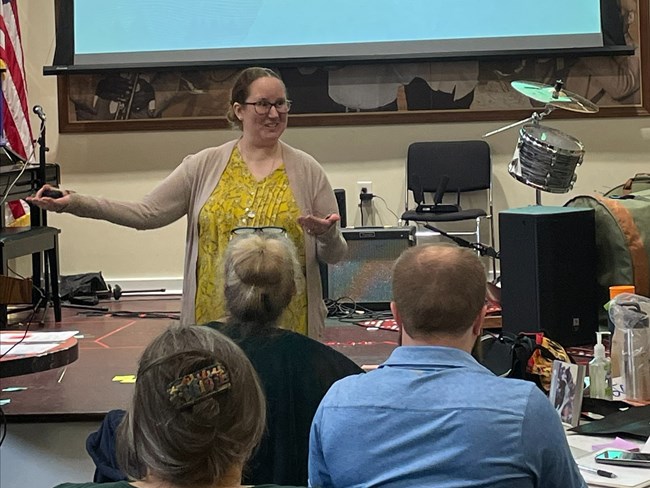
(431, 415)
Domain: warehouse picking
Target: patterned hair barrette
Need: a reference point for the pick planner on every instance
(198, 386)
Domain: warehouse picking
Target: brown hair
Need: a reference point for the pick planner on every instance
(239, 92)
(438, 290)
(198, 444)
(262, 274)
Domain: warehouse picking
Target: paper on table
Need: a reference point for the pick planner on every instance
(12, 337)
(26, 349)
(124, 379)
(617, 443)
(625, 477)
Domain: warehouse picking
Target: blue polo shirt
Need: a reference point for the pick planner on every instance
(433, 416)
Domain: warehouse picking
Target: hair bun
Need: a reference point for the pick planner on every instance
(263, 266)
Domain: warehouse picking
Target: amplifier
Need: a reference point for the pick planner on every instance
(364, 276)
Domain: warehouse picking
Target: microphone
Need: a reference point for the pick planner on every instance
(418, 193)
(442, 188)
(38, 110)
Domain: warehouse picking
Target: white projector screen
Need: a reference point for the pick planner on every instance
(125, 33)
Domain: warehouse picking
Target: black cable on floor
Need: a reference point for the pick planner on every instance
(346, 310)
(3, 426)
(135, 315)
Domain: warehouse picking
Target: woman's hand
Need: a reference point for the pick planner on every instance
(48, 203)
(316, 225)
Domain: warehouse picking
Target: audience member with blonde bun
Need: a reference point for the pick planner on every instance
(262, 275)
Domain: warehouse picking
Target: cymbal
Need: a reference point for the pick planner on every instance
(560, 99)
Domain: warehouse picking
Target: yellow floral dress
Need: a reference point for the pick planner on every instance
(239, 200)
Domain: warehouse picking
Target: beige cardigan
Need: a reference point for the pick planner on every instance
(188, 187)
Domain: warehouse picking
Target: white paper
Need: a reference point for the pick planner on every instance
(11, 337)
(625, 477)
(27, 349)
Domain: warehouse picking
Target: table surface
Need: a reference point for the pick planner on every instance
(111, 346)
(58, 354)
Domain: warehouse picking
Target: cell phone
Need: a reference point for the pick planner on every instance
(624, 458)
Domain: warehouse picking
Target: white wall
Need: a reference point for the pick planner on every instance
(127, 165)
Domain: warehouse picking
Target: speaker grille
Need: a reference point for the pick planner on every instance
(365, 275)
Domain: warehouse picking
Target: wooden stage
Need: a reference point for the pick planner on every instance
(109, 347)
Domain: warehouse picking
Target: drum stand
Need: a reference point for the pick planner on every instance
(546, 158)
(535, 118)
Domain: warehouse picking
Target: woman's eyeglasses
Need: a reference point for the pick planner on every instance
(263, 107)
(268, 229)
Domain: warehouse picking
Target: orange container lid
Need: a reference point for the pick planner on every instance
(618, 289)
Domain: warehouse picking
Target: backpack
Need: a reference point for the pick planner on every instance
(622, 241)
(639, 182)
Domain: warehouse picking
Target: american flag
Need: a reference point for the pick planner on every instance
(15, 129)
(15, 109)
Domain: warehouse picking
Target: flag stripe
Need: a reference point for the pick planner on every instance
(17, 126)
(12, 60)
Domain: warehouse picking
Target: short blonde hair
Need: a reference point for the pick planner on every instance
(262, 274)
(438, 290)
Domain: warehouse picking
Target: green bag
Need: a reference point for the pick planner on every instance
(622, 241)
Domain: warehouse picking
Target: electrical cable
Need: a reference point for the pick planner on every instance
(347, 311)
(3, 426)
(30, 319)
(361, 210)
(386, 204)
(5, 195)
(16, 273)
(134, 315)
(29, 323)
(370, 199)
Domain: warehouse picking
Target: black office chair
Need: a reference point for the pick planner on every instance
(436, 170)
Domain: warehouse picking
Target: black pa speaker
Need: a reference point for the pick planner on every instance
(548, 273)
(364, 276)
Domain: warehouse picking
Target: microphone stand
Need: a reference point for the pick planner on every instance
(42, 177)
(482, 249)
(39, 219)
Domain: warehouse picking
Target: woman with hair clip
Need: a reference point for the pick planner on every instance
(197, 414)
(262, 275)
(254, 180)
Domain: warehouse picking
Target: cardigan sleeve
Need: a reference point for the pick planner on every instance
(166, 203)
(331, 247)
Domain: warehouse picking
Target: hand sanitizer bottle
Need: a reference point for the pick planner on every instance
(600, 371)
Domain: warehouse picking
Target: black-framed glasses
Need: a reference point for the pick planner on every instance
(267, 229)
(263, 107)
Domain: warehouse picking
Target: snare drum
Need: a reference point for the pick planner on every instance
(546, 158)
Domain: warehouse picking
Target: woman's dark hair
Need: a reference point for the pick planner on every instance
(239, 92)
(199, 443)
